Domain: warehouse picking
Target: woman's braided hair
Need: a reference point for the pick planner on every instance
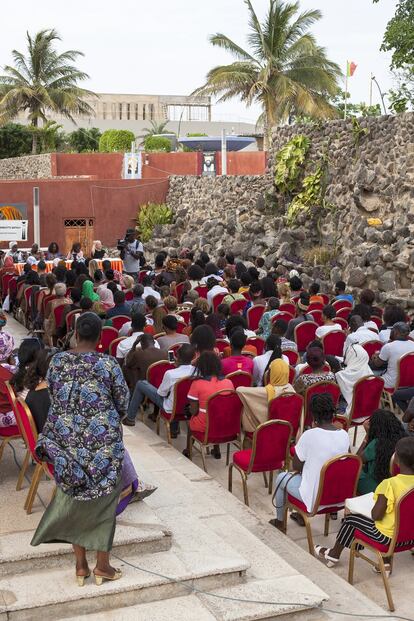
(322, 408)
(386, 429)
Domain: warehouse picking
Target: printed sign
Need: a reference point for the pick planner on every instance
(14, 230)
(13, 211)
(132, 166)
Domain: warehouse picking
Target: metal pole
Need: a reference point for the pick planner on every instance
(223, 152)
(36, 216)
(381, 94)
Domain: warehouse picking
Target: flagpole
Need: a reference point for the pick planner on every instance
(346, 91)
(370, 90)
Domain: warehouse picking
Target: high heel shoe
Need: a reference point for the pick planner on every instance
(99, 579)
(81, 579)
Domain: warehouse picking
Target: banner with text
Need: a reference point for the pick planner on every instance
(14, 230)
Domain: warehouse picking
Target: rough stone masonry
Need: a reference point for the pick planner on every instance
(370, 174)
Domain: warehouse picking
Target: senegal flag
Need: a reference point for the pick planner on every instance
(350, 69)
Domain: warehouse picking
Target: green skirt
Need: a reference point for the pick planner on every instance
(86, 523)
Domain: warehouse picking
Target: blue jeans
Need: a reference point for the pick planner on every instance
(285, 481)
(145, 389)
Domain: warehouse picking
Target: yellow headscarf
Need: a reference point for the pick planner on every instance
(279, 376)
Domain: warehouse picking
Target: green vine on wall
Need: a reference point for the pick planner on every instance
(288, 163)
(308, 198)
(358, 132)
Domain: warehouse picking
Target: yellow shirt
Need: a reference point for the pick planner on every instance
(392, 489)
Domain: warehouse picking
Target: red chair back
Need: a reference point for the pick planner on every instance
(157, 370)
(366, 397)
(129, 295)
(317, 389)
(333, 343)
(223, 413)
(338, 480)
(119, 320)
(287, 407)
(315, 306)
(6, 278)
(28, 296)
(237, 307)
(46, 300)
(26, 426)
(58, 314)
(288, 308)
(246, 295)
(175, 348)
(307, 370)
(254, 314)
(282, 315)
(181, 390)
(179, 292)
(376, 320)
(142, 276)
(113, 346)
(257, 342)
(292, 355)
(186, 315)
(222, 344)
(343, 313)
(181, 327)
(338, 304)
(240, 378)
(317, 316)
(304, 334)
(342, 322)
(108, 335)
(202, 291)
(13, 286)
(405, 371)
(270, 449)
(11, 395)
(325, 298)
(372, 347)
(404, 518)
(70, 318)
(217, 299)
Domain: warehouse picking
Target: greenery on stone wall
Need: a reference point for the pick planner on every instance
(151, 215)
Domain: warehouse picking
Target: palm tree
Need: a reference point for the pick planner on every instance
(43, 81)
(285, 71)
(155, 129)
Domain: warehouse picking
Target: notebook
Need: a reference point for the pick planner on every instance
(362, 505)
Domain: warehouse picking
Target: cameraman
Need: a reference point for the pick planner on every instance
(131, 254)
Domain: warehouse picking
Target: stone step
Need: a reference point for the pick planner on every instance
(138, 531)
(50, 594)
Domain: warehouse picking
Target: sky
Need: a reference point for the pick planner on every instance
(162, 47)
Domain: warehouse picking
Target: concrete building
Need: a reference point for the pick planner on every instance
(184, 114)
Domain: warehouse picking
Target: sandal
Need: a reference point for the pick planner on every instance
(387, 567)
(331, 561)
(100, 579)
(81, 579)
(297, 518)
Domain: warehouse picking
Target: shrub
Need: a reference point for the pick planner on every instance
(157, 143)
(288, 163)
(318, 256)
(15, 140)
(85, 140)
(149, 216)
(116, 140)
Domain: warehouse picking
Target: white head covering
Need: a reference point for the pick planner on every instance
(356, 361)
(293, 273)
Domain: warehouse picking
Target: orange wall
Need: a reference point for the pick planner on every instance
(243, 163)
(99, 165)
(165, 164)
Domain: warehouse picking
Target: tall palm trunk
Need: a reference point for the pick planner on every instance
(34, 137)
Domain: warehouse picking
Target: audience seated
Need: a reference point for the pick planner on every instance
(302, 315)
(315, 359)
(170, 324)
(358, 334)
(137, 304)
(279, 328)
(392, 315)
(356, 366)
(313, 292)
(340, 292)
(392, 352)
(329, 325)
(143, 353)
(236, 361)
(38, 398)
(260, 363)
(138, 323)
(214, 287)
(234, 286)
(365, 313)
(120, 306)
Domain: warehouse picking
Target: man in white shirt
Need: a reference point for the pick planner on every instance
(164, 396)
(138, 323)
(392, 352)
(132, 254)
(359, 333)
(213, 289)
(148, 289)
(329, 325)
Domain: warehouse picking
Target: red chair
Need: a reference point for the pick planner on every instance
(270, 452)
(8, 434)
(315, 306)
(181, 327)
(288, 308)
(343, 313)
(405, 375)
(27, 298)
(337, 482)
(237, 307)
(179, 291)
(372, 347)
(240, 378)
(293, 356)
(307, 370)
(333, 343)
(58, 315)
(304, 334)
(287, 407)
(13, 287)
(108, 335)
(217, 299)
(202, 291)
(6, 278)
(258, 342)
(317, 389)
(221, 345)
(129, 295)
(246, 295)
(157, 370)
(317, 316)
(366, 398)
(174, 348)
(70, 319)
(377, 320)
(292, 374)
(342, 322)
(45, 302)
(181, 390)
(223, 423)
(254, 314)
(186, 315)
(339, 304)
(29, 433)
(325, 298)
(295, 297)
(403, 532)
(113, 346)
(394, 466)
(141, 276)
(282, 315)
(119, 320)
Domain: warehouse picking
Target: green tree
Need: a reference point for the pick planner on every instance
(399, 35)
(83, 140)
(15, 140)
(157, 143)
(284, 70)
(41, 82)
(116, 140)
(352, 109)
(155, 128)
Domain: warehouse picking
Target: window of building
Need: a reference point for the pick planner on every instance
(128, 111)
(136, 112)
(104, 110)
(113, 109)
(120, 111)
(151, 111)
(143, 112)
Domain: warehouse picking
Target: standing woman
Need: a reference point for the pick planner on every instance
(82, 438)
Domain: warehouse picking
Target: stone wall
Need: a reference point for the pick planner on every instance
(370, 174)
(26, 167)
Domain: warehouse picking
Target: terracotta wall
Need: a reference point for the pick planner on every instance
(243, 163)
(166, 164)
(99, 165)
(113, 204)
